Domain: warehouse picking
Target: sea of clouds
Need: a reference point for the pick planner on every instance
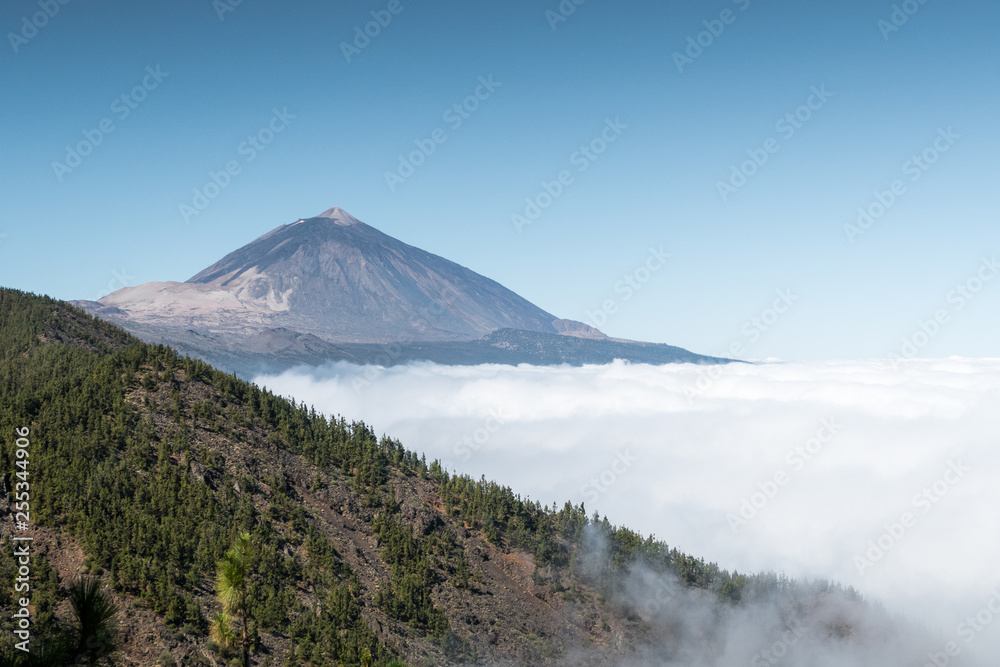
(886, 479)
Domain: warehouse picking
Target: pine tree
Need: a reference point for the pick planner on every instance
(232, 583)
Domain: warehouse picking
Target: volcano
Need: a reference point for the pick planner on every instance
(331, 287)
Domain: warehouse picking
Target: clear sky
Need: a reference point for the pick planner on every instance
(199, 78)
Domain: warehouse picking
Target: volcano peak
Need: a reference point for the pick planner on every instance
(339, 216)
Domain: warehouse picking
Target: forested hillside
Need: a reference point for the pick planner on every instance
(145, 467)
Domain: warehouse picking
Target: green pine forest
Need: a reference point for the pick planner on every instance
(126, 460)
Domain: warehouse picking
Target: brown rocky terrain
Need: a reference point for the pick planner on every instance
(144, 463)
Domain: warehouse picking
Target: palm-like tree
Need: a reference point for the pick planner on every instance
(95, 612)
(232, 587)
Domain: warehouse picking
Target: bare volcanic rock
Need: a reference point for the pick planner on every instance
(337, 278)
(332, 288)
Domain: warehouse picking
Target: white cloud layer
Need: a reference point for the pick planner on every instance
(887, 480)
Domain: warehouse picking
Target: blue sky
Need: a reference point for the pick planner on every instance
(929, 86)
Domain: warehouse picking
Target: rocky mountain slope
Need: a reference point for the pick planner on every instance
(323, 288)
(337, 278)
(144, 465)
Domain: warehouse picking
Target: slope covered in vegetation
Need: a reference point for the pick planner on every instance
(145, 466)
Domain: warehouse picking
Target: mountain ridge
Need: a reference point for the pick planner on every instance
(336, 277)
(366, 554)
(345, 284)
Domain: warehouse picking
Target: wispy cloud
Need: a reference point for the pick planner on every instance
(882, 438)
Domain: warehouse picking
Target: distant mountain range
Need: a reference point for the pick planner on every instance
(332, 288)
